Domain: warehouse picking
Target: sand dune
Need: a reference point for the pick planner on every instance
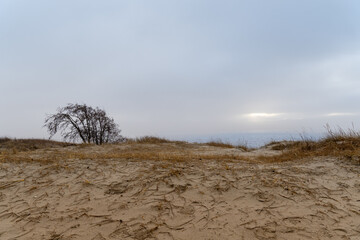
(98, 199)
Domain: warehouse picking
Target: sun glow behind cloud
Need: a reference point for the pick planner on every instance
(262, 115)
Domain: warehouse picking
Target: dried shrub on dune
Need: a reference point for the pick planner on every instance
(337, 143)
(149, 139)
(221, 144)
(29, 144)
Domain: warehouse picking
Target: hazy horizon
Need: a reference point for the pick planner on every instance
(182, 68)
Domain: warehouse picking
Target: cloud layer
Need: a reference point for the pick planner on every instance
(181, 67)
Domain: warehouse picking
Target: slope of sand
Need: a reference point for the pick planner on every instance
(159, 199)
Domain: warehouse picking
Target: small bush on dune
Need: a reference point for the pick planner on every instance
(219, 143)
(29, 144)
(149, 139)
(4, 139)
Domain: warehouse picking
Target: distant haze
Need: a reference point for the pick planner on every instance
(182, 68)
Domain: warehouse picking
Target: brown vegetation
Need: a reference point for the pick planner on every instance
(150, 140)
(142, 151)
(337, 143)
(220, 143)
(20, 145)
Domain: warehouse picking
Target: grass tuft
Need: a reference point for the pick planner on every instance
(336, 143)
(151, 140)
(20, 145)
(220, 143)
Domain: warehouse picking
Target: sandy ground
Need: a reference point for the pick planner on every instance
(205, 199)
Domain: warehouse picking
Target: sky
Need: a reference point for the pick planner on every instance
(176, 68)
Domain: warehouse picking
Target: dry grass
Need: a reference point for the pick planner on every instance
(339, 143)
(150, 140)
(158, 140)
(221, 144)
(145, 148)
(4, 139)
(134, 152)
(29, 144)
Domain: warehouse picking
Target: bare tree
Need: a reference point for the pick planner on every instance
(82, 122)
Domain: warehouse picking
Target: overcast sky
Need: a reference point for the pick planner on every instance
(182, 67)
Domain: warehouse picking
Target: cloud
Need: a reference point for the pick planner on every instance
(181, 66)
(341, 114)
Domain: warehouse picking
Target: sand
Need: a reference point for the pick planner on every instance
(159, 199)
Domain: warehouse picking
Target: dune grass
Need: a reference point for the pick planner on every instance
(150, 140)
(29, 144)
(222, 144)
(219, 143)
(336, 143)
